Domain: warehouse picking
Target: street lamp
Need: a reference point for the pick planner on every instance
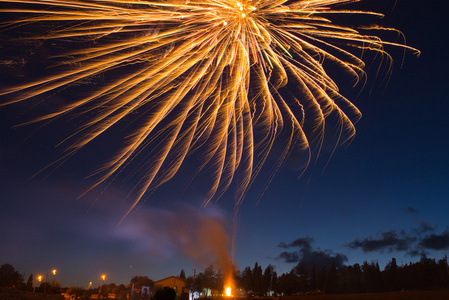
(103, 277)
(39, 278)
(46, 280)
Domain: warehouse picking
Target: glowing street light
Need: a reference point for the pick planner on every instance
(103, 277)
(46, 280)
(39, 278)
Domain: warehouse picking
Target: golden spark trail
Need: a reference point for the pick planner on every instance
(223, 77)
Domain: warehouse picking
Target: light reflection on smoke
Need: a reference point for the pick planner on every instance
(202, 235)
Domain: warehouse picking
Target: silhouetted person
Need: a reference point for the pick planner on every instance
(145, 294)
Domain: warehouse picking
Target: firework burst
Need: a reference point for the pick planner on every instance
(221, 76)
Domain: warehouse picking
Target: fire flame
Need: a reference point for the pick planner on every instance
(228, 291)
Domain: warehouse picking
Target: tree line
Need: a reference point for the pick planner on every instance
(426, 274)
(11, 278)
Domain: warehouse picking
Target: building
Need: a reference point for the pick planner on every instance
(174, 282)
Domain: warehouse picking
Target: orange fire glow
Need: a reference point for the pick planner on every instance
(228, 291)
(228, 282)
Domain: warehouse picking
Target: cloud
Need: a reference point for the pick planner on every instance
(417, 252)
(303, 243)
(415, 243)
(389, 241)
(410, 210)
(436, 241)
(322, 259)
(307, 257)
(426, 227)
(289, 257)
(423, 228)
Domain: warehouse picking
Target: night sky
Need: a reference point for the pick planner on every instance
(384, 195)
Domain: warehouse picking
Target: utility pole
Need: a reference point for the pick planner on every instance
(193, 283)
(46, 280)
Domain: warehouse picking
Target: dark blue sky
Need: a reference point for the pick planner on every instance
(383, 196)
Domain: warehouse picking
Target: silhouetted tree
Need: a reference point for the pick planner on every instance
(29, 285)
(390, 278)
(246, 279)
(351, 279)
(120, 291)
(288, 283)
(314, 278)
(9, 277)
(54, 287)
(75, 290)
(443, 273)
(371, 277)
(274, 281)
(189, 282)
(303, 279)
(212, 278)
(197, 283)
(219, 281)
(140, 281)
(330, 281)
(422, 275)
(182, 275)
(428, 270)
(322, 279)
(267, 280)
(257, 279)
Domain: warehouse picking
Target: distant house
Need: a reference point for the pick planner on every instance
(68, 297)
(174, 282)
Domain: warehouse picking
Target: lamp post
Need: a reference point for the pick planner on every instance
(103, 277)
(39, 278)
(46, 280)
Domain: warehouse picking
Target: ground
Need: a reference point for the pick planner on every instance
(406, 295)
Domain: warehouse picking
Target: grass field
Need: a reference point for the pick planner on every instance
(408, 295)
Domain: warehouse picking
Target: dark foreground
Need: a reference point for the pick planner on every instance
(13, 294)
(408, 295)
